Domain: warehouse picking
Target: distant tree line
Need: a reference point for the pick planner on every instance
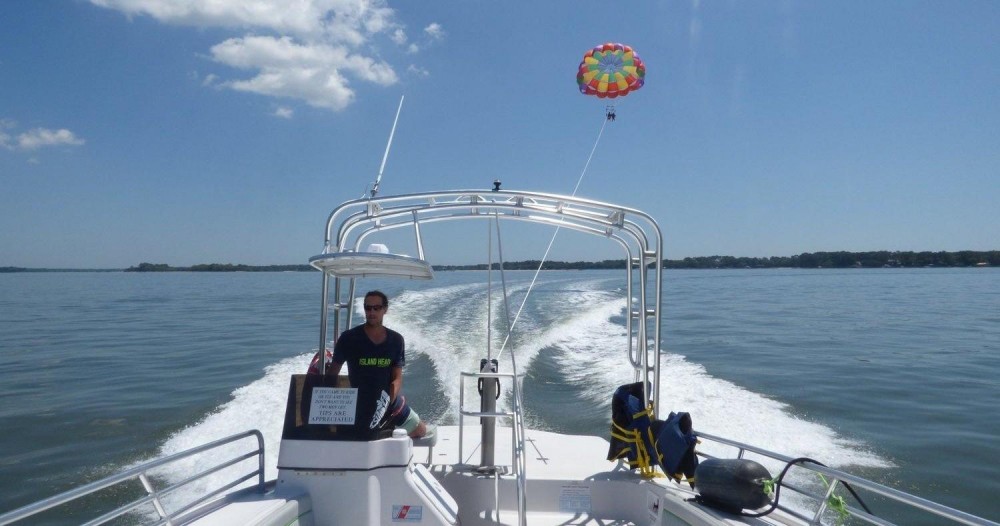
(9, 270)
(532, 264)
(217, 267)
(878, 259)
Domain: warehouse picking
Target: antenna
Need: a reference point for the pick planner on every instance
(387, 146)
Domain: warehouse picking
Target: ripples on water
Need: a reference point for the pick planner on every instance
(887, 372)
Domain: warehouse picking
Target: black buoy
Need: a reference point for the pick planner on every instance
(732, 484)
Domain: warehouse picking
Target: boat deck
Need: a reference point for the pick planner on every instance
(568, 482)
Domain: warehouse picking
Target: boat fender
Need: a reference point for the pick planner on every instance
(732, 484)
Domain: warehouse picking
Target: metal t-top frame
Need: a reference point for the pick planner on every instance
(350, 224)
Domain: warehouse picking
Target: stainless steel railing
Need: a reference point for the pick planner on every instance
(836, 478)
(154, 496)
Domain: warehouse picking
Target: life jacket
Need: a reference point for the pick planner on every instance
(646, 442)
(676, 439)
(632, 435)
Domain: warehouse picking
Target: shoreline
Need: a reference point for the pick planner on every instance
(819, 260)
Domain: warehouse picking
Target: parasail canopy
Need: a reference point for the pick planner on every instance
(610, 70)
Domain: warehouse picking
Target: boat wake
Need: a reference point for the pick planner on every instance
(717, 406)
(448, 324)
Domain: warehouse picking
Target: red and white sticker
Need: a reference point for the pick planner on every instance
(407, 513)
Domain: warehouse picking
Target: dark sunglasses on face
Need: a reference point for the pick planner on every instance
(376, 308)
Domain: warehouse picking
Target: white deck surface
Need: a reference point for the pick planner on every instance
(569, 482)
(549, 455)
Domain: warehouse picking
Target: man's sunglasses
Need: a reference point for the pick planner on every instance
(376, 308)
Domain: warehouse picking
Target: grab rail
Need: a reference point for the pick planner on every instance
(839, 477)
(522, 482)
(153, 496)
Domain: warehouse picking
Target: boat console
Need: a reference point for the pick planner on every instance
(353, 470)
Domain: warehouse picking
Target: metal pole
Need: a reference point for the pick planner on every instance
(385, 156)
(489, 391)
(489, 294)
(324, 311)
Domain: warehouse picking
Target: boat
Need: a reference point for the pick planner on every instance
(337, 465)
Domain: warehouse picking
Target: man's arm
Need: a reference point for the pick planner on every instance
(395, 382)
(334, 368)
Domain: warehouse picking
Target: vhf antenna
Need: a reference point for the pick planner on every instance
(386, 155)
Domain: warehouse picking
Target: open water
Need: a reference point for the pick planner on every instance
(889, 373)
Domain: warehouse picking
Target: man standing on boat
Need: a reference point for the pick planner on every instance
(375, 355)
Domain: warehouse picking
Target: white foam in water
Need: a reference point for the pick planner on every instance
(458, 344)
(259, 405)
(454, 336)
(593, 342)
(448, 325)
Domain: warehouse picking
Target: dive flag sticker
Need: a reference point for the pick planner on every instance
(407, 513)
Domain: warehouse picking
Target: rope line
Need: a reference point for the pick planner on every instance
(545, 257)
(835, 502)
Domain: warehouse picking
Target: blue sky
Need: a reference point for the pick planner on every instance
(186, 132)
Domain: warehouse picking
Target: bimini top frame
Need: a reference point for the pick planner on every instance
(636, 232)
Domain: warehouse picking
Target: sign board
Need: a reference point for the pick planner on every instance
(333, 406)
(574, 498)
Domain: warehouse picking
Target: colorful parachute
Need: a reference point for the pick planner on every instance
(610, 70)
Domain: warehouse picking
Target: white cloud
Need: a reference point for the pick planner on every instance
(399, 37)
(310, 72)
(301, 49)
(284, 112)
(334, 20)
(40, 137)
(434, 31)
(36, 138)
(416, 70)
